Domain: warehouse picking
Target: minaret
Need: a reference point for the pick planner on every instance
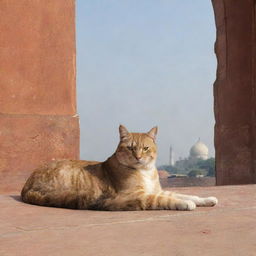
(171, 157)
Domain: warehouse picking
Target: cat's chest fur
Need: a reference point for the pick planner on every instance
(148, 180)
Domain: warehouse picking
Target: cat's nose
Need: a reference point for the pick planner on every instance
(138, 157)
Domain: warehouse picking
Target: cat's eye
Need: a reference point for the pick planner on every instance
(129, 147)
(145, 148)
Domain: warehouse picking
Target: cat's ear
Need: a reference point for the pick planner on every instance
(124, 134)
(152, 133)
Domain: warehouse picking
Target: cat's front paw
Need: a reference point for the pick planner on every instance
(186, 205)
(211, 201)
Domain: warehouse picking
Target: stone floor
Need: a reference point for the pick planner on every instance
(227, 229)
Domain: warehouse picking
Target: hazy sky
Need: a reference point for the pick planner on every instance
(145, 63)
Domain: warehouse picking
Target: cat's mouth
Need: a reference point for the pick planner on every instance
(140, 161)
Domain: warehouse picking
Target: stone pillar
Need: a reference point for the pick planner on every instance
(38, 120)
(234, 92)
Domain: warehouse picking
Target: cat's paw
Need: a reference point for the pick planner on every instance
(211, 201)
(186, 205)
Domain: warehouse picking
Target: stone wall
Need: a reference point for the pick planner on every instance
(38, 120)
(234, 92)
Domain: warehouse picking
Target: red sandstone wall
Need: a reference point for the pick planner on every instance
(234, 92)
(38, 118)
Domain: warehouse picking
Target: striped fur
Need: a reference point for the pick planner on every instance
(128, 180)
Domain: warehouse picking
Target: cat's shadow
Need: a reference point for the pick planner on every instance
(16, 198)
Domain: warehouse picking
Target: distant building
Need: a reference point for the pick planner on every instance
(177, 176)
(163, 174)
(198, 151)
(171, 161)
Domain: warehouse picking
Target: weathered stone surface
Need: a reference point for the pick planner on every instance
(38, 119)
(28, 141)
(228, 229)
(188, 182)
(37, 57)
(234, 92)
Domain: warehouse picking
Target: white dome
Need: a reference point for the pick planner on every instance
(199, 150)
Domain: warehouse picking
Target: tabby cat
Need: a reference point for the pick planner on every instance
(128, 180)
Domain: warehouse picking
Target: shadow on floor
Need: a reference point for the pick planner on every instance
(16, 198)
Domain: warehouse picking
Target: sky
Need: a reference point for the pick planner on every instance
(141, 64)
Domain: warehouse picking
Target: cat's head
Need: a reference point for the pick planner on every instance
(137, 150)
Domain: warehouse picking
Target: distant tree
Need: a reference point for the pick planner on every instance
(195, 172)
(208, 165)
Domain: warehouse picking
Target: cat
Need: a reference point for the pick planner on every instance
(128, 180)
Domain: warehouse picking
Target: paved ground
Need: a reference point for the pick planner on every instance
(227, 229)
